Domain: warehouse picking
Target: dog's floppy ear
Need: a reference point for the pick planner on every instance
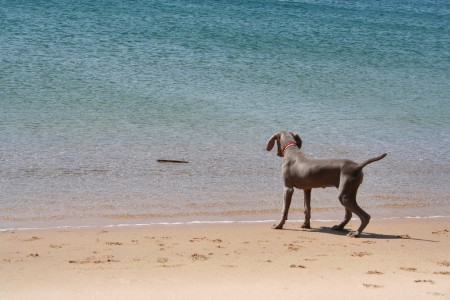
(297, 139)
(272, 140)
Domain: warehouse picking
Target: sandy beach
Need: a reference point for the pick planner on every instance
(402, 258)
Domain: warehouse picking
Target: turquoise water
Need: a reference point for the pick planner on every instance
(92, 93)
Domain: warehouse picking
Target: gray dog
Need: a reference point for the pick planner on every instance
(306, 173)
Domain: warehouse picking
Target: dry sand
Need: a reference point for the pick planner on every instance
(402, 259)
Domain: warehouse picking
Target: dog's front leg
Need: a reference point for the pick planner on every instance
(288, 191)
(307, 204)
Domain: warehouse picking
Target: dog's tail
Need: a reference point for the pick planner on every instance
(371, 160)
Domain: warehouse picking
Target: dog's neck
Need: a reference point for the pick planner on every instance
(287, 145)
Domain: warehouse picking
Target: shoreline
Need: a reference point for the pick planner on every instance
(397, 257)
(209, 222)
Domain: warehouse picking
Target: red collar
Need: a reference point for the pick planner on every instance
(287, 145)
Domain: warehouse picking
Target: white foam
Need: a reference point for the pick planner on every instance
(199, 222)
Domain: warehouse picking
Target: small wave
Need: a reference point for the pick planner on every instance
(199, 222)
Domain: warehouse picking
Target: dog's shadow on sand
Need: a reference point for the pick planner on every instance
(364, 235)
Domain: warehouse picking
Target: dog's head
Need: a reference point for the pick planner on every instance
(283, 139)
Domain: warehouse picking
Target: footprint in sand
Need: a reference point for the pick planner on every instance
(442, 273)
(374, 272)
(94, 260)
(373, 286)
(424, 281)
(32, 239)
(13, 260)
(369, 242)
(293, 266)
(292, 247)
(408, 269)
(440, 232)
(113, 243)
(404, 236)
(162, 260)
(444, 263)
(310, 259)
(361, 254)
(197, 239)
(198, 257)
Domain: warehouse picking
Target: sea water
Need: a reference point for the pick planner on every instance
(93, 93)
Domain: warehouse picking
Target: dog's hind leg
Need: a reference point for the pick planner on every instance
(349, 202)
(365, 218)
(347, 218)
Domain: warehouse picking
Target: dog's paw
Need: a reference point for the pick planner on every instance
(337, 228)
(277, 226)
(353, 234)
(306, 226)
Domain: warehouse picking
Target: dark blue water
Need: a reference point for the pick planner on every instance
(92, 93)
